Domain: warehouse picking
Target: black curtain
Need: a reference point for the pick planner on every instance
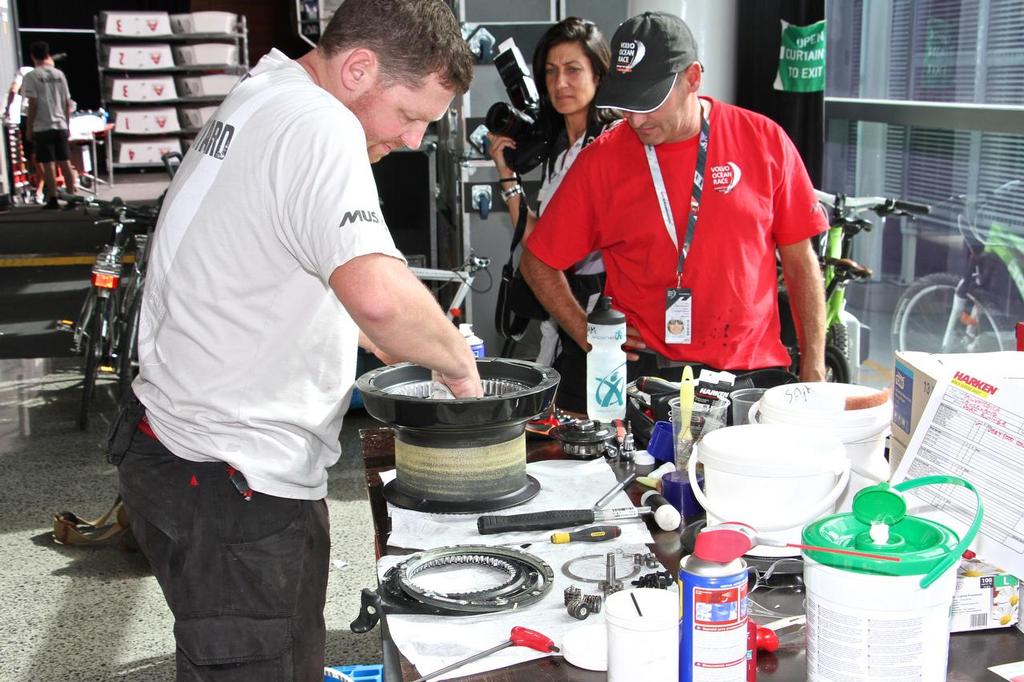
(802, 115)
(79, 64)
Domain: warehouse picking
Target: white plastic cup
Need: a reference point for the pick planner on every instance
(742, 399)
(643, 647)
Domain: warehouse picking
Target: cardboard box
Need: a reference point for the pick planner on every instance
(204, 22)
(146, 121)
(146, 151)
(148, 89)
(135, 23)
(214, 85)
(1020, 607)
(139, 57)
(916, 375)
(986, 597)
(206, 53)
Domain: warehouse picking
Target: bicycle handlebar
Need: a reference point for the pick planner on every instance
(880, 205)
(116, 208)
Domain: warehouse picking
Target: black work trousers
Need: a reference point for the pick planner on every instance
(245, 580)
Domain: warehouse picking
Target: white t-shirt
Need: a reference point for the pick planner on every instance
(246, 355)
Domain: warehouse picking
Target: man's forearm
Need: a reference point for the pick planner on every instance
(401, 318)
(803, 278)
(552, 290)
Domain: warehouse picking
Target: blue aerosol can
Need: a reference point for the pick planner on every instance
(476, 344)
(713, 619)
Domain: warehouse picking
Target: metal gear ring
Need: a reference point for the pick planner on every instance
(568, 566)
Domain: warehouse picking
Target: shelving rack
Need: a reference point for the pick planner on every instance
(167, 72)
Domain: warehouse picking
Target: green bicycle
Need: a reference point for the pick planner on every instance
(948, 313)
(839, 269)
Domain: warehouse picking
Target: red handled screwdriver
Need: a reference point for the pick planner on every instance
(519, 637)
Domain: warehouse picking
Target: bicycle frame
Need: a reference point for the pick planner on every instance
(465, 275)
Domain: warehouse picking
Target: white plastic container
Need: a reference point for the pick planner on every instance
(606, 362)
(212, 85)
(148, 89)
(204, 22)
(206, 54)
(870, 619)
(150, 57)
(154, 121)
(822, 405)
(194, 118)
(146, 151)
(135, 23)
(841, 608)
(772, 477)
(643, 647)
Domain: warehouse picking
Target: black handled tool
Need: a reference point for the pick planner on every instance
(592, 534)
(490, 524)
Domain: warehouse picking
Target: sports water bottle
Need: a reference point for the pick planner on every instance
(606, 363)
(476, 344)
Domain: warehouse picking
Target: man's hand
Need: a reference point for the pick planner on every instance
(812, 371)
(463, 387)
(633, 343)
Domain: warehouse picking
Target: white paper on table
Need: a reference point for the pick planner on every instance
(433, 642)
(973, 427)
(564, 484)
(1010, 671)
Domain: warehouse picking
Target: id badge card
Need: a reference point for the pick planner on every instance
(678, 315)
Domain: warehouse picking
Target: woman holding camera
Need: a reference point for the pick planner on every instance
(573, 57)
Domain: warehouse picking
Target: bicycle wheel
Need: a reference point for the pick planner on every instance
(923, 311)
(837, 368)
(128, 355)
(93, 355)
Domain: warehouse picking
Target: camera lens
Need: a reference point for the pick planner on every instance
(504, 119)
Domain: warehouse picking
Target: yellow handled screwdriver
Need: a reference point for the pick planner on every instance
(592, 534)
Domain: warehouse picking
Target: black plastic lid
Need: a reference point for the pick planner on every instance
(604, 313)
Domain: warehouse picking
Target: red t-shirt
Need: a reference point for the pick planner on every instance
(757, 195)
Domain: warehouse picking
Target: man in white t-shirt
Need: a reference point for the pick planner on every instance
(271, 261)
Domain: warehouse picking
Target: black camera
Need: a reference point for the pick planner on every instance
(519, 120)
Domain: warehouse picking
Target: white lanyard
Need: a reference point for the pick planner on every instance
(698, 189)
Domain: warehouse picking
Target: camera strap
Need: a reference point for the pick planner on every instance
(695, 196)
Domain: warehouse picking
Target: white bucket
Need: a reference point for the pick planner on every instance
(643, 647)
(863, 627)
(822, 405)
(773, 477)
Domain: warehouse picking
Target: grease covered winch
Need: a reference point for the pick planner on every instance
(460, 454)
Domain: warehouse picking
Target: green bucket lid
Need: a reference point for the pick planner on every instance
(923, 547)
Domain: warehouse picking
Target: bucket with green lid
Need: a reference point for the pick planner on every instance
(884, 616)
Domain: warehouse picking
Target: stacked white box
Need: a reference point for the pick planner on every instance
(148, 89)
(154, 56)
(194, 118)
(212, 85)
(146, 151)
(204, 22)
(154, 121)
(135, 23)
(206, 53)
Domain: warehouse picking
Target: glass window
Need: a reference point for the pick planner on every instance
(925, 102)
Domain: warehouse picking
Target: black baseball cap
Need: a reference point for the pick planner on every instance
(648, 50)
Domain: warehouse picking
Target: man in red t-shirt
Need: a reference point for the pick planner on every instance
(688, 202)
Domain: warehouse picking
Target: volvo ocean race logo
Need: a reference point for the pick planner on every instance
(630, 54)
(725, 177)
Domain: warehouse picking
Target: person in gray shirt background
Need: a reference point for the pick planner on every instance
(49, 107)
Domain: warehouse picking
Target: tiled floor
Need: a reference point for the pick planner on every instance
(92, 614)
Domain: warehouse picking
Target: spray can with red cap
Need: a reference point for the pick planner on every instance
(713, 622)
